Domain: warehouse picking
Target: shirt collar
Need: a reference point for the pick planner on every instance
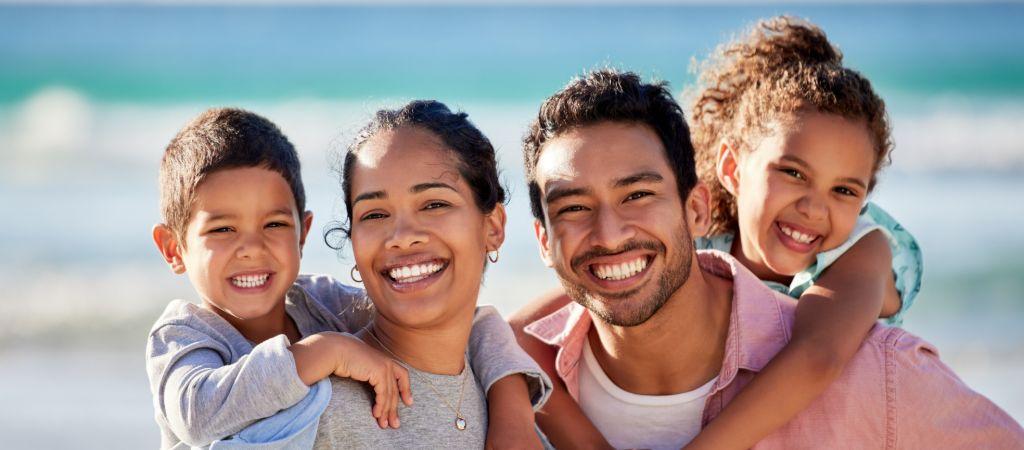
(760, 321)
(759, 324)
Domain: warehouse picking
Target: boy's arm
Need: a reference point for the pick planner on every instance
(203, 399)
(329, 353)
(832, 319)
(561, 418)
(514, 384)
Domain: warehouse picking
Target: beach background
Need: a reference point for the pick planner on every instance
(90, 95)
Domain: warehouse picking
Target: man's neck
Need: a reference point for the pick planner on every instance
(678, 349)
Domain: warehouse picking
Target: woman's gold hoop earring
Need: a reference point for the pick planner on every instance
(494, 259)
(353, 273)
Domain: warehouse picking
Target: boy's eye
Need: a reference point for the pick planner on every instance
(277, 225)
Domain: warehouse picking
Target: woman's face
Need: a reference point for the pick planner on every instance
(418, 237)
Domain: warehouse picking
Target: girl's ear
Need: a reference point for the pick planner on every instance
(727, 168)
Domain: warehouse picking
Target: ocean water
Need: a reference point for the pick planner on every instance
(89, 96)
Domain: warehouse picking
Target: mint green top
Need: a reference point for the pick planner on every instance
(907, 265)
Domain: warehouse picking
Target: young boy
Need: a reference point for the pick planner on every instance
(240, 365)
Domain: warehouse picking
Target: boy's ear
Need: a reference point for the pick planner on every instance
(727, 169)
(542, 241)
(494, 227)
(307, 222)
(167, 244)
(698, 210)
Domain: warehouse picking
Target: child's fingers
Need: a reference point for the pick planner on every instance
(404, 390)
(384, 394)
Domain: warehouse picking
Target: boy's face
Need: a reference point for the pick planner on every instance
(242, 245)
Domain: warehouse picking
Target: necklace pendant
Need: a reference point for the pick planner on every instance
(460, 423)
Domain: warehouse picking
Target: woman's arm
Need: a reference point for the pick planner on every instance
(561, 418)
(832, 319)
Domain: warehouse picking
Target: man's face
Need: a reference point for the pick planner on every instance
(616, 232)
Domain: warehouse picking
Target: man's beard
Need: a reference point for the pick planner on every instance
(677, 271)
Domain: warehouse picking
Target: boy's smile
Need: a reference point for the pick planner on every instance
(243, 243)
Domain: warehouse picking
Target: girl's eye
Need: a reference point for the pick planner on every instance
(221, 230)
(792, 172)
(845, 191)
(638, 194)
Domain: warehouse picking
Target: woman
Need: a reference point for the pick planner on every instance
(425, 206)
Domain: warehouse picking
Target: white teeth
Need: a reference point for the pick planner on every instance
(620, 271)
(250, 281)
(796, 235)
(413, 273)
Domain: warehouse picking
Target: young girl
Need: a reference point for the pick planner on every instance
(791, 142)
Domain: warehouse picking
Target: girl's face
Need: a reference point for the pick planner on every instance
(418, 237)
(798, 192)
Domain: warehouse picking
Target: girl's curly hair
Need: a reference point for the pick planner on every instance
(782, 68)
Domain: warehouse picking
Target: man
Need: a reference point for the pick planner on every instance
(661, 337)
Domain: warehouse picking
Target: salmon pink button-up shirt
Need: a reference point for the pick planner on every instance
(894, 394)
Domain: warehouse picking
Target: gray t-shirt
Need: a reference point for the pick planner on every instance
(209, 382)
(428, 424)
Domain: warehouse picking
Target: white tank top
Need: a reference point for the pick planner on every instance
(629, 420)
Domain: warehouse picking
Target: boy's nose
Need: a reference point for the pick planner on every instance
(251, 246)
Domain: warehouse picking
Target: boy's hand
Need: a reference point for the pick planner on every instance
(511, 424)
(389, 379)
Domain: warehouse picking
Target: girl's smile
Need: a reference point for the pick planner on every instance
(798, 192)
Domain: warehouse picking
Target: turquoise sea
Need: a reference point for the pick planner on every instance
(90, 95)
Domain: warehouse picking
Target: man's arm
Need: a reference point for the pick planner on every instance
(561, 418)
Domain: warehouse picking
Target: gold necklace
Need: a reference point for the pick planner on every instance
(460, 422)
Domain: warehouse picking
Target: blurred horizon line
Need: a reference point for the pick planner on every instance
(494, 3)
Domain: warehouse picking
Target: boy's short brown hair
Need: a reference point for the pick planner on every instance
(219, 139)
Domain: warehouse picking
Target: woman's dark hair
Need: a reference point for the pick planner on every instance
(476, 161)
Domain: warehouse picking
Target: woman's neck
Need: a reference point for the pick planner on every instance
(433, 350)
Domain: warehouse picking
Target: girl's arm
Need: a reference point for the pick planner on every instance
(561, 418)
(832, 319)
